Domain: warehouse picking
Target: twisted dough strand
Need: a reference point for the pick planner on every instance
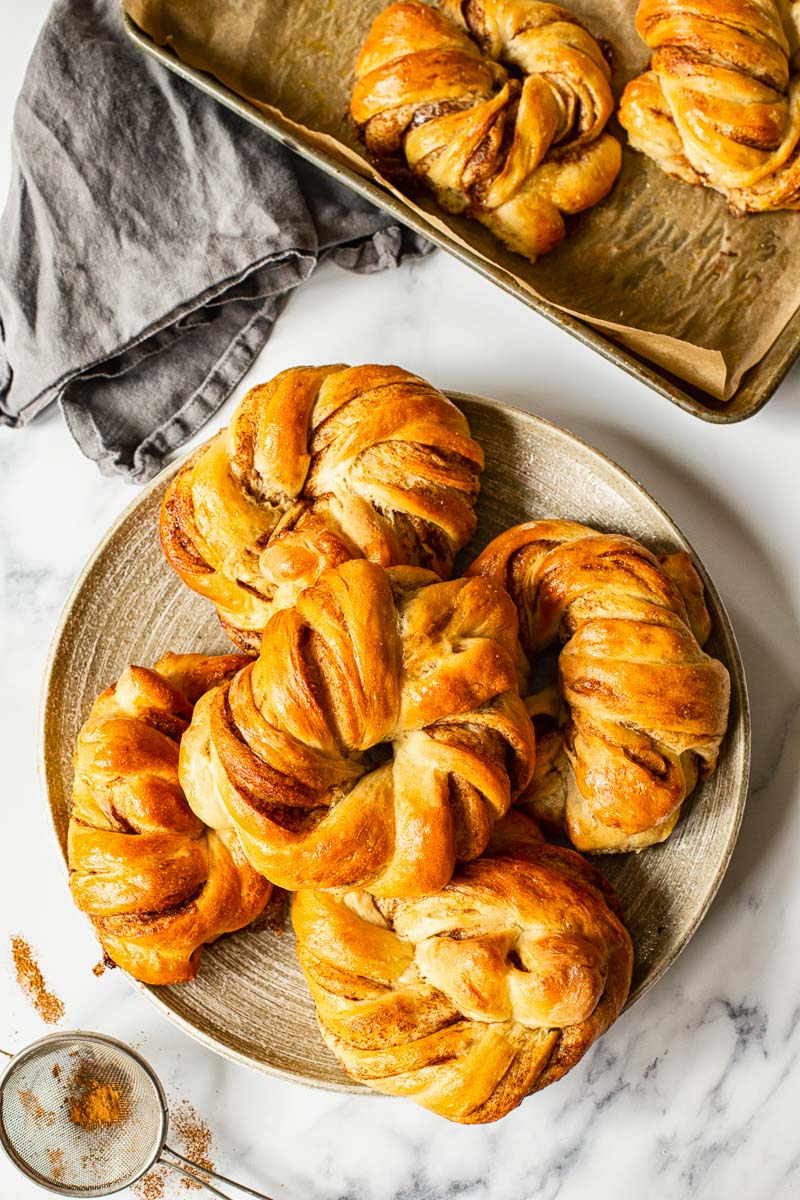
(320, 465)
(647, 708)
(548, 45)
(375, 740)
(515, 155)
(719, 106)
(469, 999)
(157, 883)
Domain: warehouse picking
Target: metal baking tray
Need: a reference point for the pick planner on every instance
(757, 386)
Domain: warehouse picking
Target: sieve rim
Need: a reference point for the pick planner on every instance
(102, 1039)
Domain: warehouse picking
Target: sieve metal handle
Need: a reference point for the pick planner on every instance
(203, 1171)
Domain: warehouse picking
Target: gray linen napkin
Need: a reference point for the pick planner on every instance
(149, 241)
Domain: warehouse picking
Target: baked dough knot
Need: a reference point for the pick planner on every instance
(155, 881)
(377, 737)
(468, 1000)
(645, 707)
(320, 465)
(501, 111)
(720, 105)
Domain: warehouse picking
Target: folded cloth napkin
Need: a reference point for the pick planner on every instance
(149, 241)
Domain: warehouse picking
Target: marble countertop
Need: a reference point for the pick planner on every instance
(694, 1092)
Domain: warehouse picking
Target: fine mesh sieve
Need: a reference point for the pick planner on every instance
(55, 1136)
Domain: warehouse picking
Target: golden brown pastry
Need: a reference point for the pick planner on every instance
(468, 1000)
(320, 465)
(375, 740)
(720, 105)
(645, 707)
(514, 152)
(157, 883)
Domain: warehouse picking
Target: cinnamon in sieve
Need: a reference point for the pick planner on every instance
(95, 1103)
(35, 1109)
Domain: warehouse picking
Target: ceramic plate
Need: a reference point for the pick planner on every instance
(128, 606)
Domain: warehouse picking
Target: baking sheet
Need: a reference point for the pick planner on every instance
(660, 266)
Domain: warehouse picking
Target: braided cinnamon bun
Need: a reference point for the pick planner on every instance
(320, 465)
(501, 113)
(720, 105)
(645, 708)
(469, 999)
(376, 739)
(157, 883)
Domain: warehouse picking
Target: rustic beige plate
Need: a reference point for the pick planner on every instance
(250, 1002)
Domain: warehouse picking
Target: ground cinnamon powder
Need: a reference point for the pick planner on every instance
(32, 982)
(56, 1165)
(95, 1103)
(193, 1138)
(275, 916)
(35, 1109)
(194, 1135)
(151, 1187)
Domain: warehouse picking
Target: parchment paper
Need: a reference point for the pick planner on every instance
(660, 265)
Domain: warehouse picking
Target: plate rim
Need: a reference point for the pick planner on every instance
(738, 686)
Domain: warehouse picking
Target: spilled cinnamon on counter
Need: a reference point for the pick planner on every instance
(151, 1186)
(193, 1138)
(32, 982)
(196, 1137)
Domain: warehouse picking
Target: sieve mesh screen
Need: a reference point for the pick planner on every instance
(82, 1114)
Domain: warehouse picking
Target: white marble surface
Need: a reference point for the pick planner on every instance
(696, 1091)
